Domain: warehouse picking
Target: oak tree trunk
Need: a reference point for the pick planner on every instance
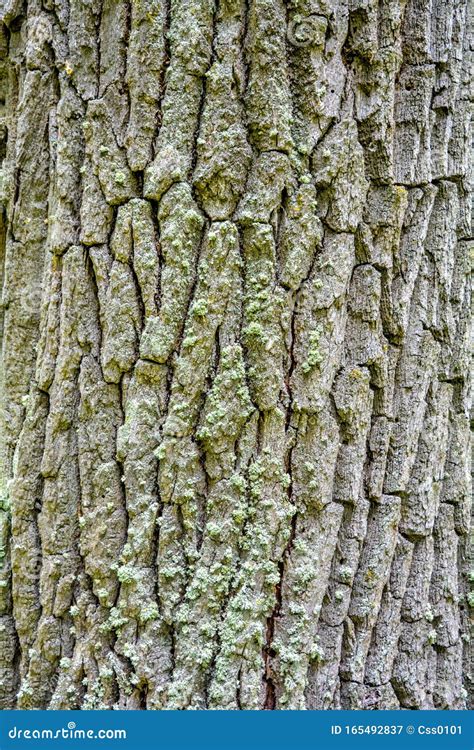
(234, 250)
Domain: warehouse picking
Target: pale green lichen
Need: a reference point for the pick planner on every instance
(429, 617)
(314, 356)
(432, 637)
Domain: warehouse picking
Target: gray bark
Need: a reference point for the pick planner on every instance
(234, 249)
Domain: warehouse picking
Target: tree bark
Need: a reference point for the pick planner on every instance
(234, 436)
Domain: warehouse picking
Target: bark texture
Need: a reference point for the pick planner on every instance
(234, 246)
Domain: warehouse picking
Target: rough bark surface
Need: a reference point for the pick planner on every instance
(234, 247)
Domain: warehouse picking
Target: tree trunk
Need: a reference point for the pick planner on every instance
(234, 251)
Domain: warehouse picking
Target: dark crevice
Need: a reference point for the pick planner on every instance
(163, 73)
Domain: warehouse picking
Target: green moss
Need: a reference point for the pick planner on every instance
(345, 574)
(149, 613)
(432, 637)
(228, 404)
(317, 652)
(116, 619)
(200, 308)
(314, 355)
(255, 330)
